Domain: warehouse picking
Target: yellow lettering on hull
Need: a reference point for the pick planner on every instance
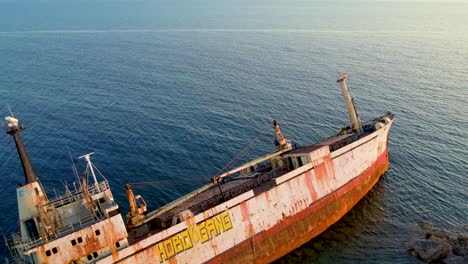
(199, 233)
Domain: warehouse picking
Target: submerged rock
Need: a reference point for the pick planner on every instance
(460, 245)
(431, 249)
(438, 246)
(440, 233)
(455, 260)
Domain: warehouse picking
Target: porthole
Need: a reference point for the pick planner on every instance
(97, 232)
(80, 240)
(73, 242)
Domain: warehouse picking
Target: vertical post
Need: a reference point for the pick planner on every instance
(14, 129)
(353, 116)
(133, 208)
(282, 143)
(92, 172)
(90, 166)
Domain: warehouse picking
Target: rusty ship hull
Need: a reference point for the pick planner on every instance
(256, 212)
(263, 225)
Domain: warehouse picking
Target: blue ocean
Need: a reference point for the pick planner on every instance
(171, 91)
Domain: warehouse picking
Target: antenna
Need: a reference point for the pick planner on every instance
(9, 110)
(75, 172)
(65, 185)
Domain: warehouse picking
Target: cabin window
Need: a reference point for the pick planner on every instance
(90, 257)
(32, 229)
(117, 244)
(299, 161)
(95, 254)
(102, 200)
(114, 212)
(80, 240)
(97, 232)
(73, 242)
(48, 253)
(54, 250)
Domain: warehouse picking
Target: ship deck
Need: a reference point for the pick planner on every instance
(259, 181)
(217, 194)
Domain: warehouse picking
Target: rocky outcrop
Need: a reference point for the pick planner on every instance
(439, 246)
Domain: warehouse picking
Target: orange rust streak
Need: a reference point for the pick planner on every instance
(330, 166)
(310, 185)
(321, 172)
(246, 219)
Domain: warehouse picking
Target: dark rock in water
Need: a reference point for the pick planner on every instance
(463, 240)
(460, 245)
(459, 251)
(440, 233)
(425, 226)
(432, 249)
(438, 246)
(455, 260)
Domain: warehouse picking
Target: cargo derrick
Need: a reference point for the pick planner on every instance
(281, 142)
(353, 115)
(137, 207)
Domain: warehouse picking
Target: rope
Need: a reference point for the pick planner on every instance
(249, 145)
(244, 150)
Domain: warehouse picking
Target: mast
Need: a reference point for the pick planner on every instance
(90, 166)
(30, 196)
(353, 116)
(14, 129)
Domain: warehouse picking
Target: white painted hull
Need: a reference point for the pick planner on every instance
(249, 227)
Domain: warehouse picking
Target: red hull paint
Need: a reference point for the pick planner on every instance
(294, 231)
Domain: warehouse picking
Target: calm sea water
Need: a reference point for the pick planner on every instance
(172, 90)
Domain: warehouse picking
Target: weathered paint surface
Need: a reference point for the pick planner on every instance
(110, 231)
(267, 225)
(296, 230)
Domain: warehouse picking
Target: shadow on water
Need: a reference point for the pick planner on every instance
(364, 218)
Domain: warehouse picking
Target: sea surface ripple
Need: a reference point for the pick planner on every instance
(175, 97)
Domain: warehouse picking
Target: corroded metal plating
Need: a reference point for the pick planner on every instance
(269, 224)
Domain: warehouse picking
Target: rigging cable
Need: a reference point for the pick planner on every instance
(244, 150)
